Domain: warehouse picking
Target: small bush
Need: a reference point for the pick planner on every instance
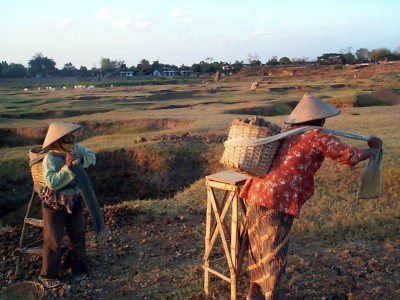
(382, 97)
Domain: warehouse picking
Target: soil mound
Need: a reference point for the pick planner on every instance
(359, 71)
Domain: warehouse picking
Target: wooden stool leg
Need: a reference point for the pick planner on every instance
(234, 244)
(207, 242)
(18, 270)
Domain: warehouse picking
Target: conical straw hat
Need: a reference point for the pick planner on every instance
(57, 130)
(311, 108)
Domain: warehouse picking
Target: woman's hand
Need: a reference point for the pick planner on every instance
(375, 143)
(72, 159)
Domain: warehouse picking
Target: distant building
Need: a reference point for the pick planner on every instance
(170, 71)
(126, 73)
(186, 72)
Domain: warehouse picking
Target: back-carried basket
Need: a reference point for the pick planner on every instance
(36, 156)
(252, 160)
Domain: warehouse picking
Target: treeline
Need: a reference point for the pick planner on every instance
(43, 67)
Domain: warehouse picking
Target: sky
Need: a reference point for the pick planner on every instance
(185, 32)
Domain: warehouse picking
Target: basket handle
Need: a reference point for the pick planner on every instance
(261, 141)
(36, 159)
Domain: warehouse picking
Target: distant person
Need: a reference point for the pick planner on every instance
(62, 205)
(274, 201)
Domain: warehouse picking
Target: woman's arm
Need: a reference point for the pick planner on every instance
(55, 175)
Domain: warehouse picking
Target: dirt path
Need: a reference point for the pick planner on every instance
(159, 257)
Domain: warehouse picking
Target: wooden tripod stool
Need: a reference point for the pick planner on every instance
(223, 195)
(34, 248)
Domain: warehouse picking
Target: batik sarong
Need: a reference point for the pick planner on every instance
(269, 242)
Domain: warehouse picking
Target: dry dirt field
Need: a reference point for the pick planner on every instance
(340, 248)
(160, 257)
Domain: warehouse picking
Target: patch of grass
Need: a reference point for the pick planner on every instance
(170, 96)
(34, 83)
(10, 172)
(52, 114)
(275, 109)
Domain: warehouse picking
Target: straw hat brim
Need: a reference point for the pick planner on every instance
(57, 130)
(311, 108)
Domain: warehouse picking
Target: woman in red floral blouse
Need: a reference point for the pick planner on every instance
(274, 201)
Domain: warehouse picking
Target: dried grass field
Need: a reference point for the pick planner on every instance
(157, 142)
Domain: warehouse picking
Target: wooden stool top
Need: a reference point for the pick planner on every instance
(230, 177)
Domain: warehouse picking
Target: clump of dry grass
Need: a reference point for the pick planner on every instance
(380, 97)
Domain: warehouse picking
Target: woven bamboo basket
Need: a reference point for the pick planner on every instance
(252, 160)
(27, 290)
(36, 168)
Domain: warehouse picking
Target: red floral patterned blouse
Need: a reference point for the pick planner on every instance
(290, 182)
